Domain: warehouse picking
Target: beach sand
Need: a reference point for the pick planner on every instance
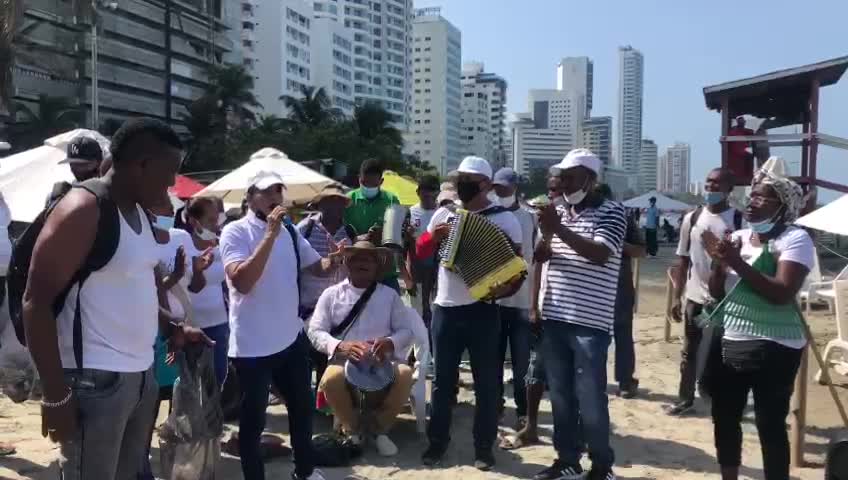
(648, 444)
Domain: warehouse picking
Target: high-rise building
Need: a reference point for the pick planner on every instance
(597, 137)
(674, 169)
(537, 148)
(435, 128)
(575, 74)
(382, 50)
(475, 137)
(332, 62)
(558, 110)
(152, 56)
(630, 86)
(493, 86)
(278, 51)
(647, 167)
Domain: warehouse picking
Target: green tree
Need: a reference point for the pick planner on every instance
(375, 123)
(312, 109)
(232, 87)
(53, 116)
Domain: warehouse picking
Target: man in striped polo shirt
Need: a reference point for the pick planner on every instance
(578, 308)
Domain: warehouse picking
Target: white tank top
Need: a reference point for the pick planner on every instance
(119, 307)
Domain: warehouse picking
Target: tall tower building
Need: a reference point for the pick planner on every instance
(575, 74)
(476, 80)
(434, 133)
(675, 167)
(597, 137)
(630, 89)
(382, 50)
(647, 167)
(332, 62)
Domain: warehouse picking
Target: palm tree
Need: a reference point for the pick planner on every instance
(55, 115)
(270, 125)
(375, 122)
(314, 108)
(232, 85)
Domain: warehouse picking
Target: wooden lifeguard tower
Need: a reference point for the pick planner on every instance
(782, 98)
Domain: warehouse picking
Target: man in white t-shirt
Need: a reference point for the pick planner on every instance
(460, 322)
(267, 340)
(423, 270)
(693, 273)
(514, 311)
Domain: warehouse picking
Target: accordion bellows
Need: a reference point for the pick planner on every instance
(745, 311)
(480, 253)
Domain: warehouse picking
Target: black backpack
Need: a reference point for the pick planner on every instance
(104, 247)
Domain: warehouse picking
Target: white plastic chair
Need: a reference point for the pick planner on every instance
(841, 340)
(824, 289)
(418, 396)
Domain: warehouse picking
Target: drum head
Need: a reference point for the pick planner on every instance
(369, 375)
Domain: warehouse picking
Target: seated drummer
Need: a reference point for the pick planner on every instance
(382, 328)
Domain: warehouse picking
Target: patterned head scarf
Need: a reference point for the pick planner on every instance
(773, 174)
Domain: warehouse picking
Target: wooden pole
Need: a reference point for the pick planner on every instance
(725, 128)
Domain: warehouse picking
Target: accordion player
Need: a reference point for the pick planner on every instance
(480, 253)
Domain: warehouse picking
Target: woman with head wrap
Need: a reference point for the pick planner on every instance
(763, 329)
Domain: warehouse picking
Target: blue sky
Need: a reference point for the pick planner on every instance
(687, 45)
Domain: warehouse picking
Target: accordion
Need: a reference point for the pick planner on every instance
(480, 253)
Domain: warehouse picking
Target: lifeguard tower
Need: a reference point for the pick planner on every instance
(781, 98)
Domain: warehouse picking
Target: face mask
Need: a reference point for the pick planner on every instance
(467, 190)
(575, 198)
(164, 222)
(762, 227)
(714, 198)
(222, 217)
(507, 201)
(370, 192)
(558, 201)
(206, 235)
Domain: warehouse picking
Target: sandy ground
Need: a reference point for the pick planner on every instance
(648, 444)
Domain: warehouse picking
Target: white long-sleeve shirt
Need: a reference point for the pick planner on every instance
(384, 315)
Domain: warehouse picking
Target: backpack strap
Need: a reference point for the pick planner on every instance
(737, 220)
(307, 231)
(350, 232)
(102, 250)
(296, 245)
(693, 220)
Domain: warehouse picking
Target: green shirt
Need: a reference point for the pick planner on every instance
(364, 213)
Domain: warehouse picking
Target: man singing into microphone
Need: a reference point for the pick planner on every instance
(267, 341)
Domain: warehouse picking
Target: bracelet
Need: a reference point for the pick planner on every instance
(59, 403)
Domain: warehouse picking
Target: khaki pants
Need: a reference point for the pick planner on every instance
(340, 398)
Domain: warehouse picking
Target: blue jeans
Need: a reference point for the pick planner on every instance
(576, 361)
(221, 335)
(515, 333)
(475, 327)
(289, 371)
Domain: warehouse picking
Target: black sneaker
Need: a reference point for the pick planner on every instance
(484, 460)
(433, 455)
(681, 409)
(600, 474)
(629, 390)
(560, 471)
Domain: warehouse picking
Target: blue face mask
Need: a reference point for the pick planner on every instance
(164, 222)
(714, 198)
(765, 226)
(370, 192)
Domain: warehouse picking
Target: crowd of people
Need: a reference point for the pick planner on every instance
(297, 308)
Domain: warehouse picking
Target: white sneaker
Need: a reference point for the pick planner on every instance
(385, 446)
(316, 475)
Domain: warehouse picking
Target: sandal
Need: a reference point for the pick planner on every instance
(514, 442)
(6, 450)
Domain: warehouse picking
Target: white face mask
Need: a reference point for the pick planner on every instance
(507, 201)
(205, 235)
(493, 197)
(575, 198)
(222, 217)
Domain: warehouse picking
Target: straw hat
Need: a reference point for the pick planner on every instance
(381, 254)
(330, 191)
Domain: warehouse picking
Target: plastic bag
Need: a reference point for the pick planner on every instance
(189, 438)
(18, 377)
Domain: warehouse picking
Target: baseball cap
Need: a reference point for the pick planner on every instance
(506, 177)
(475, 166)
(83, 150)
(447, 195)
(580, 157)
(265, 179)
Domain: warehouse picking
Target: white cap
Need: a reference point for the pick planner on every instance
(265, 179)
(447, 195)
(580, 157)
(474, 166)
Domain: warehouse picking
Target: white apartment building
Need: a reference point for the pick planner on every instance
(382, 50)
(494, 87)
(597, 137)
(475, 136)
(674, 169)
(538, 148)
(558, 110)
(647, 167)
(435, 127)
(332, 62)
(576, 74)
(277, 49)
(630, 89)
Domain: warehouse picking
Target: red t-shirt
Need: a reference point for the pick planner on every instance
(739, 161)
